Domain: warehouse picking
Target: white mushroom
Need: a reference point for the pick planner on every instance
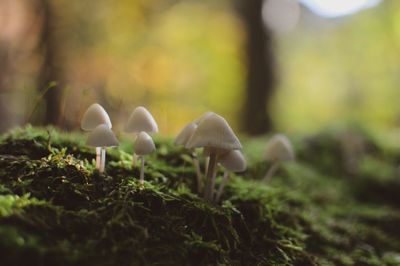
(102, 137)
(140, 120)
(233, 161)
(143, 145)
(279, 149)
(182, 138)
(185, 134)
(214, 133)
(94, 116)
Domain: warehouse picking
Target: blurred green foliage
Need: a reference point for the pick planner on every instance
(179, 59)
(345, 69)
(182, 58)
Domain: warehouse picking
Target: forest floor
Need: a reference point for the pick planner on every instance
(337, 204)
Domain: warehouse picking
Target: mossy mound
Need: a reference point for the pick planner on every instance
(56, 210)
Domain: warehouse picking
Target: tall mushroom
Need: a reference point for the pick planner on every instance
(279, 149)
(143, 145)
(215, 134)
(94, 116)
(141, 120)
(182, 138)
(102, 137)
(233, 161)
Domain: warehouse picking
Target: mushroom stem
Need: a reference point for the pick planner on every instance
(98, 157)
(102, 160)
(198, 171)
(271, 171)
(222, 186)
(206, 163)
(211, 171)
(141, 180)
(213, 182)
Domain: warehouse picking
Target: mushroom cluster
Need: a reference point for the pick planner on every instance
(98, 123)
(212, 133)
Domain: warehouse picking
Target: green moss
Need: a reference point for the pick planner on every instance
(56, 210)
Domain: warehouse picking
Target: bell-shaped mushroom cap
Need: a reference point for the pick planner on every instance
(95, 115)
(279, 148)
(102, 136)
(144, 144)
(141, 120)
(214, 132)
(197, 121)
(233, 161)
(185, 134)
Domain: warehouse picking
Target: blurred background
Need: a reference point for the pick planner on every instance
(281, 65)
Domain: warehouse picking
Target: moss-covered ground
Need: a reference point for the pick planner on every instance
(338, 204)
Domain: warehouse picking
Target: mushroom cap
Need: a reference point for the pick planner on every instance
(233, 161)
(141, 120)
(221, 152)
(279, 148)
(214, 132)
(200, 119)
(185, 134)
(102, 136)
(95, 115)
(144, 144)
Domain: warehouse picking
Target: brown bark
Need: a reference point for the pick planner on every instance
(5, 114)
(261, 69)
(50, 70)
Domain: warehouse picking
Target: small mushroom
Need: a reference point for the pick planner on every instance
(102, 137)
(279, 149)
(182, 138)
(215, 134)
(94, 116)
(143, 145)
(140, 120)
(233, 161)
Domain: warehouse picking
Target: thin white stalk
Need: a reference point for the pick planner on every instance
(206, 163)
(141, 181)
(271, 171)
(222, 186)
(98, 157)
(199, 175)
(213, 182)
(211, 171)
(103, 160)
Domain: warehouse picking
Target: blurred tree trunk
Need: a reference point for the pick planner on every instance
(261, 69)
(5, 114)
(50, 70)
